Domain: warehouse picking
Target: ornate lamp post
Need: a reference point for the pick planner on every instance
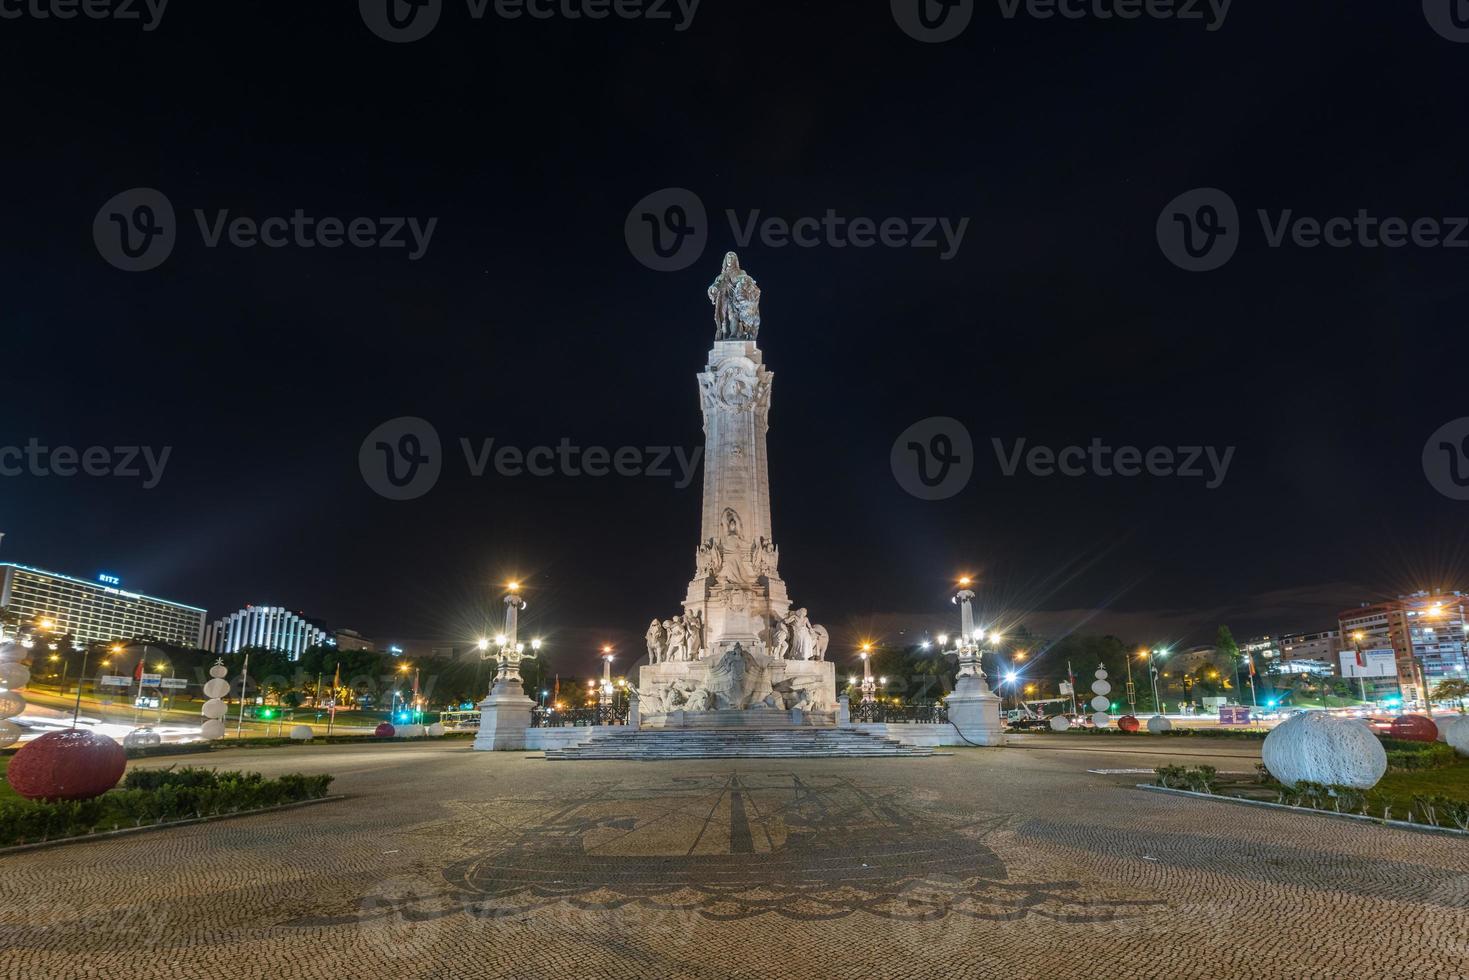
(505, 713)
(604, 693)
(869, 684)
(973, 708)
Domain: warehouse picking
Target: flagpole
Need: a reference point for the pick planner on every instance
(244, 678)
(336, 685)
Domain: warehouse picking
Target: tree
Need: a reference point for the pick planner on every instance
(1452, 690)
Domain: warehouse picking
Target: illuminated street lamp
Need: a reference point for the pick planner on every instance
(604, 696)
(869, 686)
(969, 642)
(1153, 657)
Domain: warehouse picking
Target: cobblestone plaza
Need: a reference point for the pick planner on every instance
(1040, 860)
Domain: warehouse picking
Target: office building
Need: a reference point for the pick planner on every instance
(1426, 632)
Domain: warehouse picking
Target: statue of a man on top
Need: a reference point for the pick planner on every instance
(736, 299)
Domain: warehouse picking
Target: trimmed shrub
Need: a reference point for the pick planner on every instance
(156, 796)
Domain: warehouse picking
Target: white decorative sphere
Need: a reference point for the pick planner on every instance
(1101, 687)
(1060, 723)
(410, 731)
(14, 676)
(219, 670)
(1158, 724)
(1101, 673)
(216, 688)
(140, 739)
(436, 730)
(11, 704)
(9, 734)
(212, 729)
(302, 733)
(214, 709)
(1100, 703)
(1101, 719)
(1458, 735)
(1315, 747)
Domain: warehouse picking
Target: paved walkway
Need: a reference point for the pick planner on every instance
(986, 863)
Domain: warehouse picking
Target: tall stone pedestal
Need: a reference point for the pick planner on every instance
(975, 711)
(504, 719)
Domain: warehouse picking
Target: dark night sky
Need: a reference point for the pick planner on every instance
(528, 320)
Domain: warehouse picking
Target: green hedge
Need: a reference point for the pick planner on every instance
(1407, 756)
(155, 796)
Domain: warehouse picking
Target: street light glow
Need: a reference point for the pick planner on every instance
(484, 644)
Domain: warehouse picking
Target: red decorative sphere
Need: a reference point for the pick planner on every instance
(1128, 723)
(1414, 728)
(70, 765)
(385, 730)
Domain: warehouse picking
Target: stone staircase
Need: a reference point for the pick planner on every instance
(738, 743)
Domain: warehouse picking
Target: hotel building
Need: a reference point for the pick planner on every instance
(270, 627)
(97, 612)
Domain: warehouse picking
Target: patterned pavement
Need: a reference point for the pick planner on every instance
(1011, 863)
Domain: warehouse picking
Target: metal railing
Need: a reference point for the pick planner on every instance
(875, 712)
(578, 717)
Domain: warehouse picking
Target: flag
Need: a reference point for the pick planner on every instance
(1361, 658)
(1251, 658)
(138, 672)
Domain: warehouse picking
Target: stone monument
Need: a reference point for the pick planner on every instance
(738, 653)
